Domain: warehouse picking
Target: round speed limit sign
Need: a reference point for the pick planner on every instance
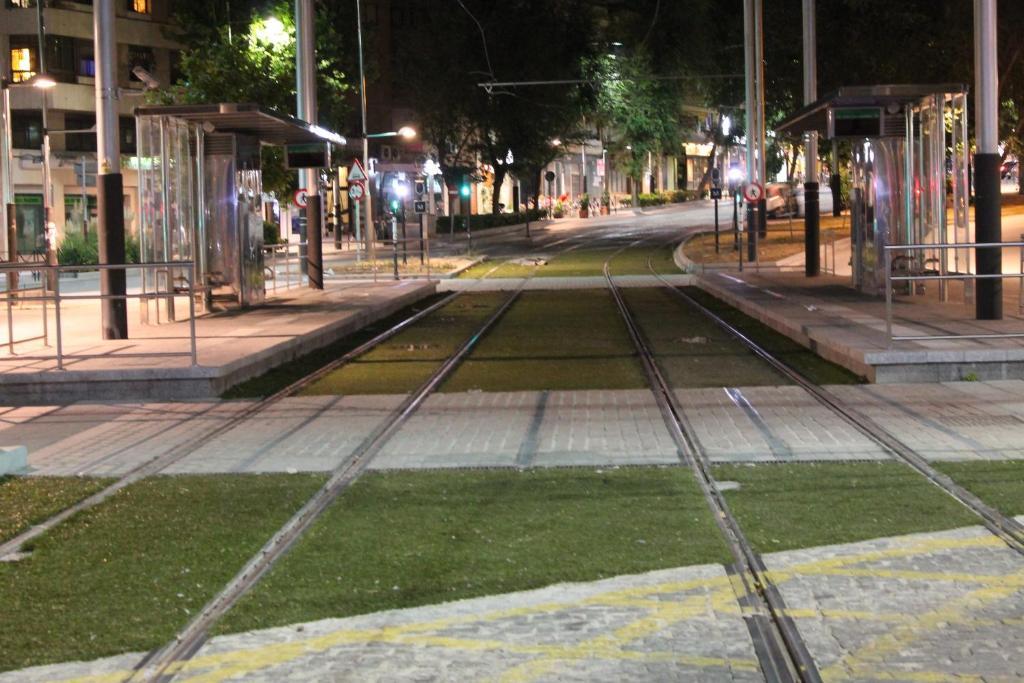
(753, 192)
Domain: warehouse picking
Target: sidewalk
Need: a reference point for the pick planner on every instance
(231, 346)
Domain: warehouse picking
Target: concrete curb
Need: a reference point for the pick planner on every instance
(13, 459)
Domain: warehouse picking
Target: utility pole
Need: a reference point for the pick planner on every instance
(988, 218)
(7, 237)
(371, 237)
(49, 233)
(750, 109)
(762, 172)
(109, 183)
(305, 77)
(812, 224)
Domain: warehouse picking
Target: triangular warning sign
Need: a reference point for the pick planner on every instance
(356, 172)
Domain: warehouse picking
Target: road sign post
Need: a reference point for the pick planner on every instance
(716, 194)
(753, 192)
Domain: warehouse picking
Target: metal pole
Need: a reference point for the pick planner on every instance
(988, 219)
(750, 73)
(6, 184)
(762, 174)
(367, 197)
(49, 233)
(812, 223)
(109, 183)
(305, 77)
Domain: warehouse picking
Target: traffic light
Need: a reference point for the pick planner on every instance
(464, 187)
(394, 206)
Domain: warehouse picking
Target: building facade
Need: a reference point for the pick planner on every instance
(71, 105)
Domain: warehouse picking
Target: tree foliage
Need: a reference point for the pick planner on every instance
(252, 59)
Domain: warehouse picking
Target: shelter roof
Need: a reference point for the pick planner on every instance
(249, 119)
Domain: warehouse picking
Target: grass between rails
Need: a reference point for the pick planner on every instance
(24, 501)
(558, 340)
(283, 375)
(402, 539)
(405, 361)
(691, 350)
(587, 262)
(802, 505)
(998, 483)
(800, 358)
(500, 269)
(125, 575)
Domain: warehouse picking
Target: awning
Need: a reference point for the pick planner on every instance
(814, 117)
(249, 119)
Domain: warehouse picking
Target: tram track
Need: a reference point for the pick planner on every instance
(780, 648)
(1006, 528)
(159, 664)
(13, 547)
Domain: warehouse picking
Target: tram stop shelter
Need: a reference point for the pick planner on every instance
(906, 141)
(201, 192)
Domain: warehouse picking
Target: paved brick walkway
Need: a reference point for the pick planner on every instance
(945, 606)
(967, 420)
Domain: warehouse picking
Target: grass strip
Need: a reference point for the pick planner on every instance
(25, 501)
(404, 362)
(402, 539)
(1000, 483)
(283, 375)
(125, 575)
(691, 349)
(802, 505)
(556, 340)
(798, 357)
(633, 261)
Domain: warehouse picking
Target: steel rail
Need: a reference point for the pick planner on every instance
(781, 651)
(1009, 530)
(190, 639)
(158, 463)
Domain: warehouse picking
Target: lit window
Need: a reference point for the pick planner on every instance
(21, 3)
(139, 6)
(21, 64)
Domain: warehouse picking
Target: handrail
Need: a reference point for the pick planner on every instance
(56, 297)
(942, 277)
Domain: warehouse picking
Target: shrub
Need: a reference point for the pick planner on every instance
(271, 232)
(652, 199)
(485, 221)
(78, 250)
(131, 249)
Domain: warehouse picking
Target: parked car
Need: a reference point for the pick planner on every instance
(780, 200)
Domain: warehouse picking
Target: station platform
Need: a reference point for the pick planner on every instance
(847, 327)
(231, 346)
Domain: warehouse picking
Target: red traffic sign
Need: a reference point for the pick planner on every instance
(299, 198)
(357, 172)
(753, 192)
(356, 191)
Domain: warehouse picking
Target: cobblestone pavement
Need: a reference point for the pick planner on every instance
(934, 607)
(965, 420)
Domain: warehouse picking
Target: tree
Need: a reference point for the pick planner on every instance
(642, 112)
(253, 60)
(516, 40)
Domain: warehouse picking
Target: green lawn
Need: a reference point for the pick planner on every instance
(579, 262)
(402, 539)
(801, 505)
(554, 340)
(25, 501)
(125, 575)
(998, 483)
(802, 359)
(633, 261)
(404, 362)
(691, 350)
(283, 375)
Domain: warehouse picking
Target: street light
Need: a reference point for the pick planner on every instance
(406, 132)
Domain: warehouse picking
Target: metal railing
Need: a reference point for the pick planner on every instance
(45, 296)
(276, 251)
(943, 276)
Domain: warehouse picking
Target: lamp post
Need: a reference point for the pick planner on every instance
(988, 217)
(305, 76)
(7, 235)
